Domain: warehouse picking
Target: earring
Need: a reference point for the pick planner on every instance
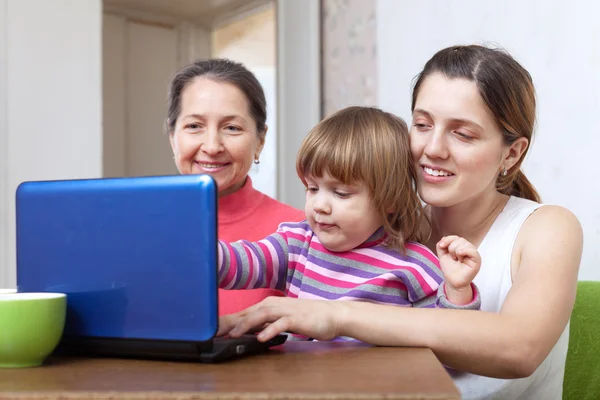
(256, 161)
(504, 172)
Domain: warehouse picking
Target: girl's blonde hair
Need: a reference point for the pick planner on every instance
(365, 145)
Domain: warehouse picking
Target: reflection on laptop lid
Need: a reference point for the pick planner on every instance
(137, 258)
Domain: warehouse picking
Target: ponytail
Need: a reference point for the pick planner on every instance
(517, 185)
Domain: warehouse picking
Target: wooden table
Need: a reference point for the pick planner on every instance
(296, 370)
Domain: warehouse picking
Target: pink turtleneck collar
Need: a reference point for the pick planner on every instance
(240, 204)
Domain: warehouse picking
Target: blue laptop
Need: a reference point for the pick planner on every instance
(137, 258)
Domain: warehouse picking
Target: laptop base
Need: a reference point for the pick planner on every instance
(212, 351)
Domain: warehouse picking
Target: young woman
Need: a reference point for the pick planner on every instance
(473, 119)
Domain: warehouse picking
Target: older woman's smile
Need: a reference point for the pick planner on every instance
(211, 167)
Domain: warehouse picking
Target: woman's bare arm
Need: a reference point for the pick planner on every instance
(509, 344)
(512, 343)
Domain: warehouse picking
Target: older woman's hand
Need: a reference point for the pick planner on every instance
(317, 319)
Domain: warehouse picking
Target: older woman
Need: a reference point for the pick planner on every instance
(474, 112)
(216, 126)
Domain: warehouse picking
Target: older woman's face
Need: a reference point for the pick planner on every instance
(215, 134)
(455, 141)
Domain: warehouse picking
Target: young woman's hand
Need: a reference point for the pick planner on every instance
(315, 319)
(460, 262)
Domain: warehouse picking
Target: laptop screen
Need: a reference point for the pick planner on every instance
(137, 257)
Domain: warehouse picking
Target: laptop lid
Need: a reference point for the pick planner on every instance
(137, 257)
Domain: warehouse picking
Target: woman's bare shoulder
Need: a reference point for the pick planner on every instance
(559, 220)
(553, 234)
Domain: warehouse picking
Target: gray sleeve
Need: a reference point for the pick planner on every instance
(443, 302)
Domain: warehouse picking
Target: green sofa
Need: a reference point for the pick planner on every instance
(582, 373)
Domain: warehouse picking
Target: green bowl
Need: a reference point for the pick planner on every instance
(31, 325)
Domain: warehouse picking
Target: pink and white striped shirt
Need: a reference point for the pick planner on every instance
(293, 260)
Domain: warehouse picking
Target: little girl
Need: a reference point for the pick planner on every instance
(363, 222)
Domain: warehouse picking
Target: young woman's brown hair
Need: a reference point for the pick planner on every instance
(368, 146)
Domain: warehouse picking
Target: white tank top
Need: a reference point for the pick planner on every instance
(494, 281)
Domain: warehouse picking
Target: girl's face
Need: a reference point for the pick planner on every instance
(342, 216)
(455, 142)
(215, 134)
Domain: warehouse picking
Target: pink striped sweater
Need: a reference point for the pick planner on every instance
(293, 260)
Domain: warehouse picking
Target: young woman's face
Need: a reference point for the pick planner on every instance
(215, 134)
(455, 142)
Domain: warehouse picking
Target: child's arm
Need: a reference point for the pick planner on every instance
(427, 288)
(251, 265)
(460, 262)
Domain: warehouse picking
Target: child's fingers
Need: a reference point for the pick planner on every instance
(468, 251)
(442, 246)
(456, 244)
(469, 255)
(441, 250)
(446, 240)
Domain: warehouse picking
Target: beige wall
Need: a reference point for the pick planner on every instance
(298, 89)
(557, 42)
(349, 54)
(113, 93)
(151, 60)
(138, 61)
(50, 99)
(251, 39)
(6, 219)
(139, 58)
